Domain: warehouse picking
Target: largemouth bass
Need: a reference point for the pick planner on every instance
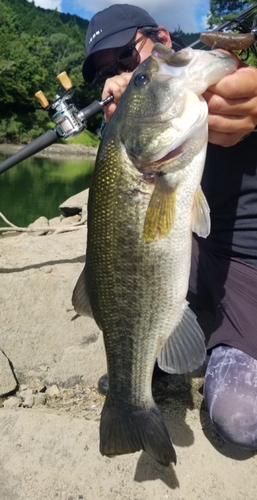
(145, 200)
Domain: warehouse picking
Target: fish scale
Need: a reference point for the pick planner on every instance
(118, 270)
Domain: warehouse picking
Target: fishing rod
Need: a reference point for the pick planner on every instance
(70, 122)
(239, 22)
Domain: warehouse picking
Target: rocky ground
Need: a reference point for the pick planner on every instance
(50, 363)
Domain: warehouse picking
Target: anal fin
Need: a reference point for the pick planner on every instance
(184, 351)
(80, 299)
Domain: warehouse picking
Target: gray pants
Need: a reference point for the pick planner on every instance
(228, 289)
(230, 394)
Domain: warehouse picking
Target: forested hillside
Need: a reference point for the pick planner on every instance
(36, 44)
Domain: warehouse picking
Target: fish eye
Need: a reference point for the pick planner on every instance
(141, 79)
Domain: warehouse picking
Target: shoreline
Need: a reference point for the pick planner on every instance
(54, 151)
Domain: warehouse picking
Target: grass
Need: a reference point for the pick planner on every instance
(86, 138)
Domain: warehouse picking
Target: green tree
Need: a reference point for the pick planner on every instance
(223, 10)
(37, 44)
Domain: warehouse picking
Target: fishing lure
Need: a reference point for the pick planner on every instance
(239, 33)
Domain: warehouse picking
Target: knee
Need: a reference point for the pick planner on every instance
(233, 415)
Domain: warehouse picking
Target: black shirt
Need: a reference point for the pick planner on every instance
(230, 186)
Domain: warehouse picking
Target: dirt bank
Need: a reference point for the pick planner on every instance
(55, 151)
(51, 451)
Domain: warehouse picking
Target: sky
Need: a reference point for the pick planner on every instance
(188, 15)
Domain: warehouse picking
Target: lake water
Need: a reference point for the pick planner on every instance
(37, 186)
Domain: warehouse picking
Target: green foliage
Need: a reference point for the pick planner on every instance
(223, 10)
(86, 139)
(188, 38)
(252, 60)
(21, 128)
(37, 44)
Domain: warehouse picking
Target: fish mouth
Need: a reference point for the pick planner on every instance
(174, 153)
(185, 127)
(158, 165)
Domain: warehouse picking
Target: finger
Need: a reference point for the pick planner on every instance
(109, 110)
(115, 86)
(240, 84)
(224, 106)
(112, 88)
(231, 124)
(223, 139)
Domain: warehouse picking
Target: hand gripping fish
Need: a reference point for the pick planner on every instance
(145, 200)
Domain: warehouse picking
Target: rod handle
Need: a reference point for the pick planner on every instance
(64, 80)
(40, 96)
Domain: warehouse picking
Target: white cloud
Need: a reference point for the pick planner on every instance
(49, 4)
(170, 13)
(205, 25)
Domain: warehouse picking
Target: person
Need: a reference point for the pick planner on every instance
(223, 276)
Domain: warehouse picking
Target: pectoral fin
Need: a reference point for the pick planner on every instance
(201, 222)
(184, 350)
(80, 299)
(160, 214)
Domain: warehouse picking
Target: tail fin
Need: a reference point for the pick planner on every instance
(123, 432)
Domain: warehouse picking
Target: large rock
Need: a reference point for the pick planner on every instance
(7, 380)
(75, 204)
(39, 329)
(41, 222)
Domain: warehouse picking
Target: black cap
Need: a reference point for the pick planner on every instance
(111, 28)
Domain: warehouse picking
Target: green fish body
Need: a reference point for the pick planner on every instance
(145, 200)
